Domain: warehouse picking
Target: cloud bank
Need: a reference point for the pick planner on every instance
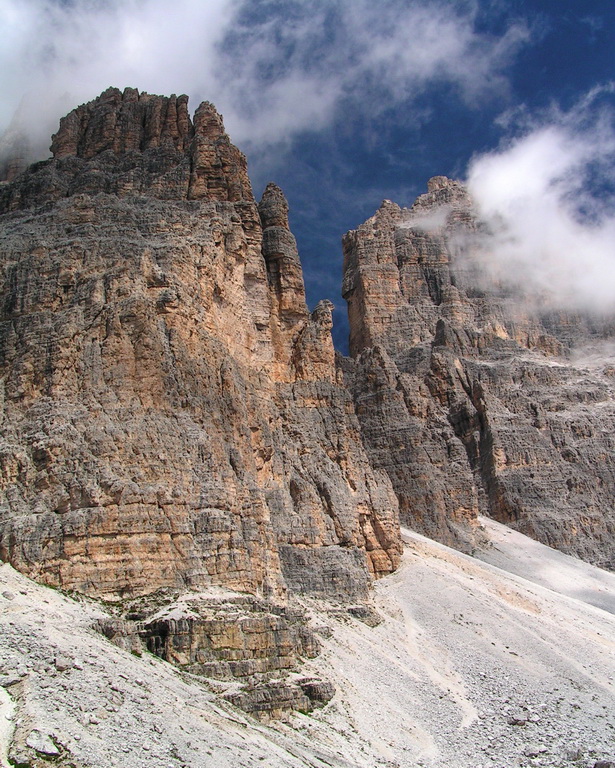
(272, 68)
(548, 198)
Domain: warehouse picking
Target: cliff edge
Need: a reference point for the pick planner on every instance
(172, 416)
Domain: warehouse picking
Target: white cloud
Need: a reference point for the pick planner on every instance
(271, 68)
(549, 199)
(424, 42)
(56, 55)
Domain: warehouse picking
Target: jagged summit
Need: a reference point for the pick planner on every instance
(129, 143)
(466, 392)
(124, 121)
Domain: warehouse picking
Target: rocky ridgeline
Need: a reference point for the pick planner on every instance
(467, 398)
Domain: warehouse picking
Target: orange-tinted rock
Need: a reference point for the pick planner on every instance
(172, 415)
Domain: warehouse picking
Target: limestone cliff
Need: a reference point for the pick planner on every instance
(171, 411)
(174, 416)
(467, 397)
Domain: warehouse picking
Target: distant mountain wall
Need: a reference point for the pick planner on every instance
(465, 389)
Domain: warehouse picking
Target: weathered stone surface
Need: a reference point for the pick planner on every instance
(121, 632)
(319, 692)
(172, 413)
(42, 743)
(276, 698)
(243, 638)
(468, 398)
(271, 700)
(256, 648)
(130, 143)
(173, 416)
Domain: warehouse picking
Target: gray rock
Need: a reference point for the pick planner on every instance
(173, 410)
(534, 750)
(517, 720)
(42, 743)
(11, 679)
(319, 692)
(63, 663)
(366, 614)
(468, 395)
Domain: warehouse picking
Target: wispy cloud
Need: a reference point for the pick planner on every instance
(548, 197)
(272, 68)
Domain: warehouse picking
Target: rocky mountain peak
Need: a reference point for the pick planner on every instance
(208, 122)
(173, 404)
(465, 389)
(179, 435)
(129, 120)
(124, 121)
(130, 142)
(440, 182)
(442, 191)
(282, 259)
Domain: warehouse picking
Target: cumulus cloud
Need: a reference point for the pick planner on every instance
(55, 55)
(548, 198)
(272, 68)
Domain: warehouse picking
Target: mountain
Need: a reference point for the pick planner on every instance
(173, 415)
(473, 395)
(208, 483)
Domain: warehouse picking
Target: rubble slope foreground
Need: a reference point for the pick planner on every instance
(469, 666)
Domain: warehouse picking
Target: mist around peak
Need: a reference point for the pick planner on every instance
(273, 70)
(547, 198)
(343, 104)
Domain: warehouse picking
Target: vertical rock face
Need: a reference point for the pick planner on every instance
(468, 400)
(172, 413)
(130, 143)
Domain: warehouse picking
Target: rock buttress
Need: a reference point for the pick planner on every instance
(163, 423)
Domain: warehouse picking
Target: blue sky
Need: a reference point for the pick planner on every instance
(345, 102)
(362, 158)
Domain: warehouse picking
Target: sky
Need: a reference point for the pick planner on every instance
(344, 103)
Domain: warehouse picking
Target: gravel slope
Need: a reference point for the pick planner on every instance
(513, 552)
(471, 666)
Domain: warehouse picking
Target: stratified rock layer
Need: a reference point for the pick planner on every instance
(172, 414)
(468, 399)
